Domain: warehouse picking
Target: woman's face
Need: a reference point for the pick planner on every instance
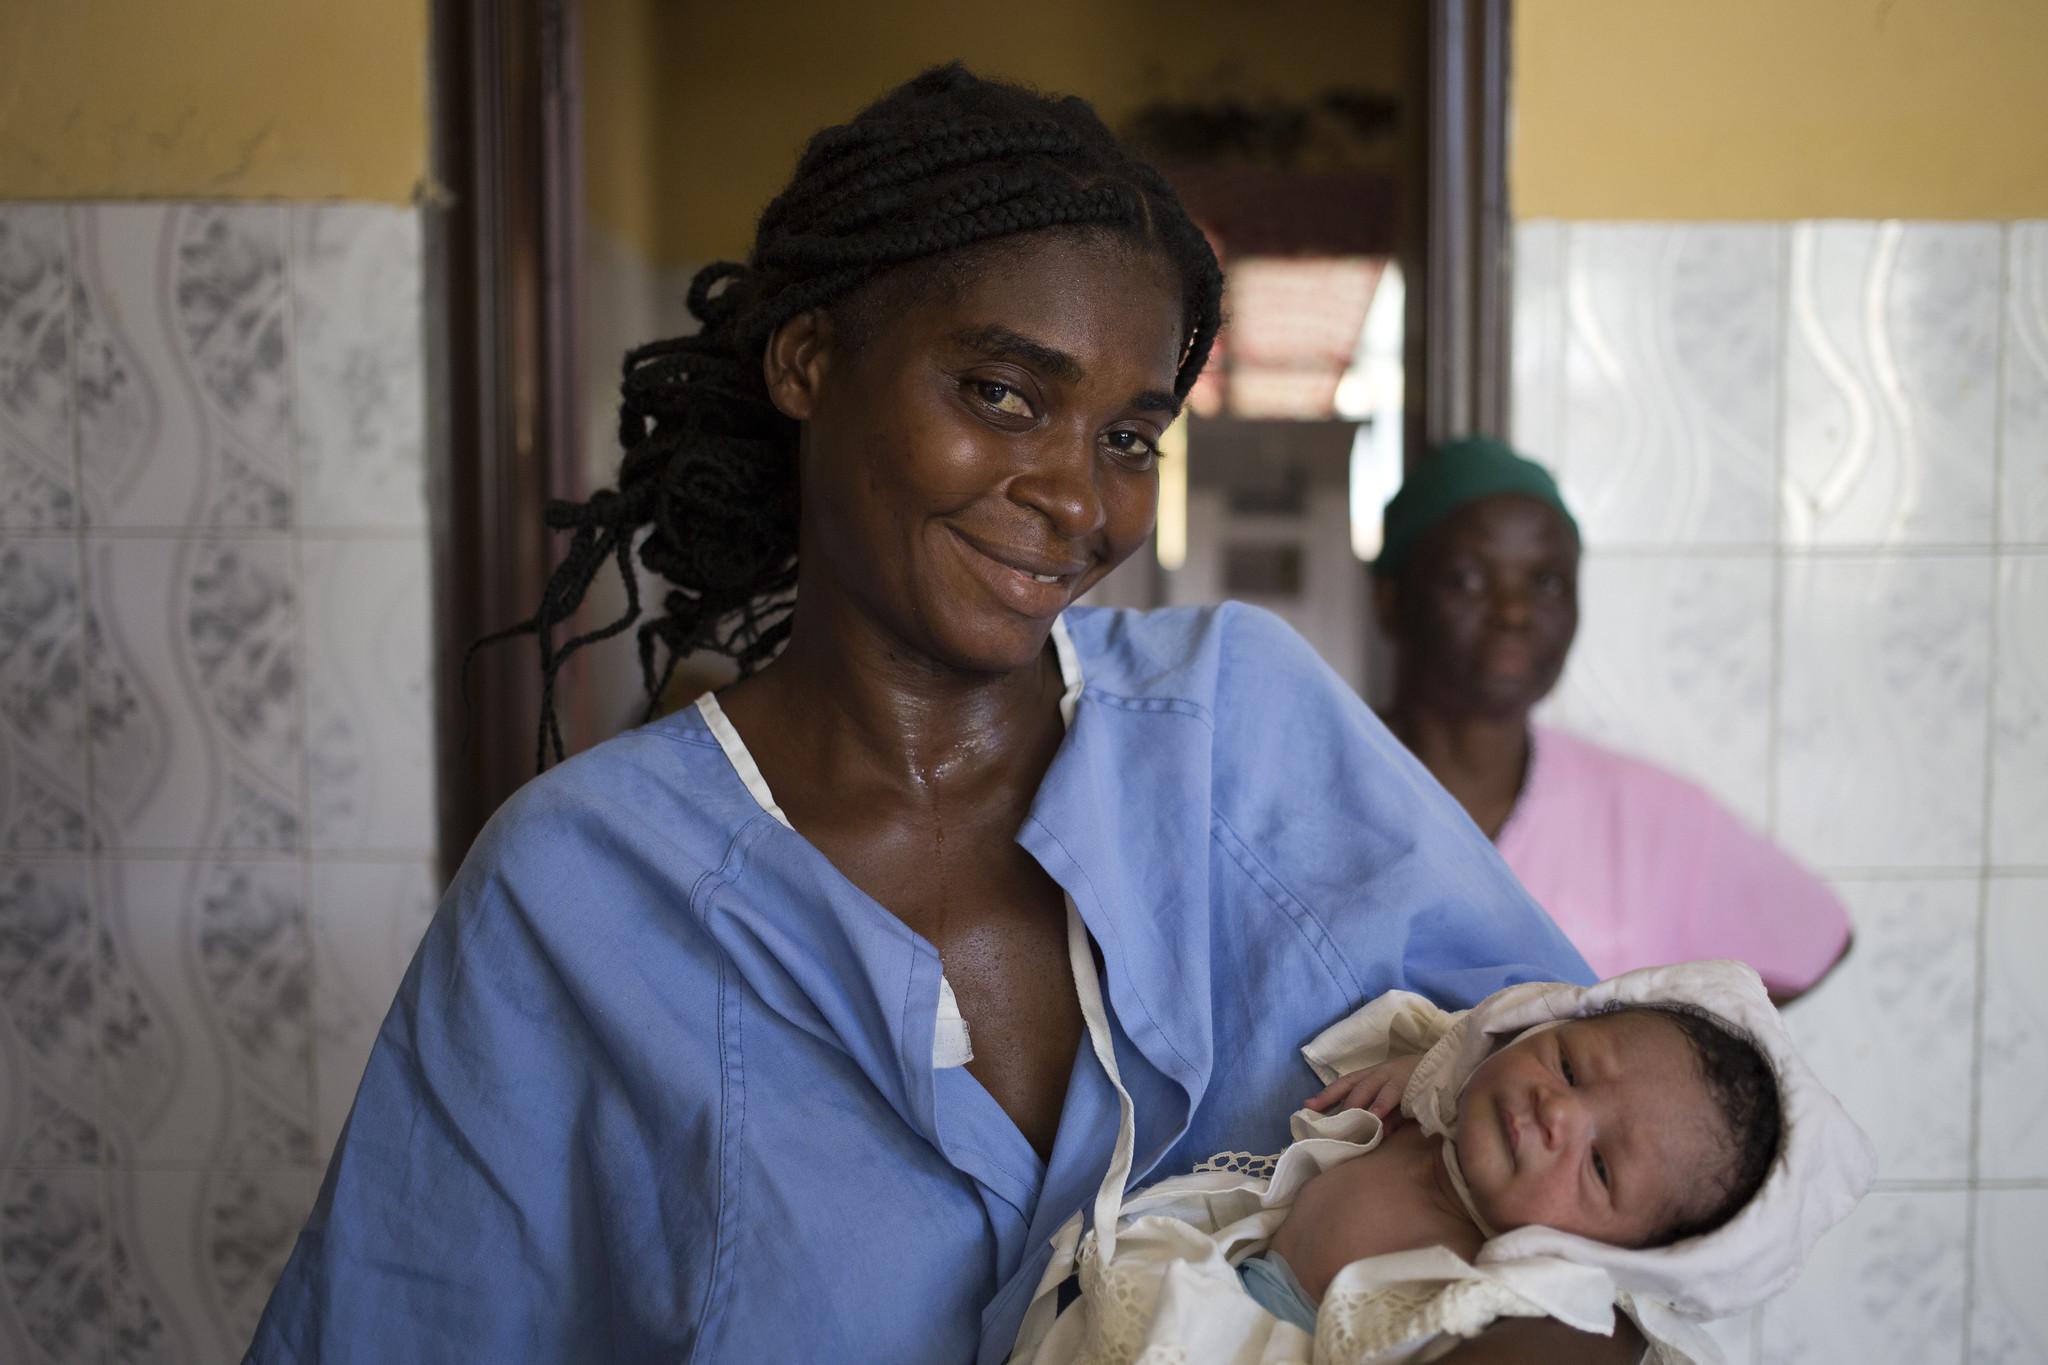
(985, 455)
(1489, 606)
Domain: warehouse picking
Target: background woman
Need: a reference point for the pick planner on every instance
(789, 1028)
(1478, 589)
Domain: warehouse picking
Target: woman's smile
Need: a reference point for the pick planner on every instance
(1031, 582)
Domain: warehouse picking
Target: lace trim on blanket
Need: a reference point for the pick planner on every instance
(1240, 1163)
(1358, 1327)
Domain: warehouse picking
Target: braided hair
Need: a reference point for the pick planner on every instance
(947, 164)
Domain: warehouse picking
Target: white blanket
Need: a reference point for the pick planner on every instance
(1157, 1270)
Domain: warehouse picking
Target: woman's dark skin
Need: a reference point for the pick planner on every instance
(906, 727)
(1483, 615)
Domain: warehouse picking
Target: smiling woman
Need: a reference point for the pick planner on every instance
(792, 1025)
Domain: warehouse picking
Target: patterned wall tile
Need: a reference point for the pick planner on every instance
(38, 471)
(196, 1253)
(2009, 1310)
(2019, 752)
(367, 917)
(2023, 469)
(1673, 662)
(359, 376)
(1672, 366)
(1892, 383)
(51, 1109)
(369, 702)
(1885, 1286)
(205, 988)
(182, 335)
(1901, 1003)
(1882, 710)
(42, 698)
(53, 1299)
(1537, 393)
(192, 657)
(2013, 1066)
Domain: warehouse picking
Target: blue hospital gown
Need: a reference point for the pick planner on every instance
(658, 1084)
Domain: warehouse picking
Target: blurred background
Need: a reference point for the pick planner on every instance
(304, 307)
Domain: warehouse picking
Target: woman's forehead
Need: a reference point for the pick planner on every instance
(1096, 300)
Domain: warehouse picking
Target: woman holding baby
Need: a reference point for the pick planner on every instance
(790, 1027)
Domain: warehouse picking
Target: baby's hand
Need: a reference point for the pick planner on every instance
(1377, 1088)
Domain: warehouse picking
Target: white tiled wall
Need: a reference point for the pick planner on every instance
(1811, 461)
(215, 745)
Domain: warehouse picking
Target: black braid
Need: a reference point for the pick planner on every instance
(707, 489)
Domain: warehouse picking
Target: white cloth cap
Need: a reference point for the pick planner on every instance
(1823, 1167)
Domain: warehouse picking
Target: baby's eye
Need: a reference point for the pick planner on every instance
(1600, 1167)
(1564, 1064)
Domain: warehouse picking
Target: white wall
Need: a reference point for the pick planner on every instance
(1811, 462)
(216, 784)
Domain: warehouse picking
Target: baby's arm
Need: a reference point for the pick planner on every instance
(1375, 1088)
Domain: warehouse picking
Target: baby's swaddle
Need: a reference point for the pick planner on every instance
(1166, 1282)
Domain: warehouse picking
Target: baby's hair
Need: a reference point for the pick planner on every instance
(707, 489)
(1743, 1086)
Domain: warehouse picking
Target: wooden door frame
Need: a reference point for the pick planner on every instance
(502, 229)
(1460, 294)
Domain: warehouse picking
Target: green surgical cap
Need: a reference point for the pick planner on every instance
(1451, 475)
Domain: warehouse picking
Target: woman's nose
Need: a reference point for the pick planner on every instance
(1061, 485)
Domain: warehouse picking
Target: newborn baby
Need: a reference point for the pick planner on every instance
(1651, 1145)
(1637, 1127)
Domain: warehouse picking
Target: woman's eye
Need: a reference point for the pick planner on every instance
(1002, 398)
(1132, 448)
(1600, 1167)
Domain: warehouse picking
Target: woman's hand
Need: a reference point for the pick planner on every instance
(1376, 1088)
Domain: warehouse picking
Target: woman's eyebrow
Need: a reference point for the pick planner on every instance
(998, 342)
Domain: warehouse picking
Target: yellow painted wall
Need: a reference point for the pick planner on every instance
(296, 99)
(734, 90)
(1779, 109)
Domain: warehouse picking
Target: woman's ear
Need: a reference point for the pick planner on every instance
(794, 363)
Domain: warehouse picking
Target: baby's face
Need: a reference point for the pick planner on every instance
(1602, 1127)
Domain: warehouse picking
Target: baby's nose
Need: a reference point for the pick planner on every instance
(1558, 1112)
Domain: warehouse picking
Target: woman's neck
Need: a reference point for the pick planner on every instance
(860, 707)
(1481, 760)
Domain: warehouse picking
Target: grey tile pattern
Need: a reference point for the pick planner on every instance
(184, 389)
(2019, 751)
(38, 466)
(1888, 1285)
(2023, 435)
(1671, 375)
(2009, 1318)
(1672, 662)
(1891, 392)
(1885, 697)
(42, 698)
(1882, 643)
(2012, 1141)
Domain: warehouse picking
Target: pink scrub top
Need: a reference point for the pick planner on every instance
(1640, 867)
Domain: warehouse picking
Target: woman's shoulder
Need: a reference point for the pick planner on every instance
(665, 787)
(1188, 652)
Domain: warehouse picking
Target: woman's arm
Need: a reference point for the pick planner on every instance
(1544, 1341)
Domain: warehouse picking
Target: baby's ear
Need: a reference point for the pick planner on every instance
(794, 363)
